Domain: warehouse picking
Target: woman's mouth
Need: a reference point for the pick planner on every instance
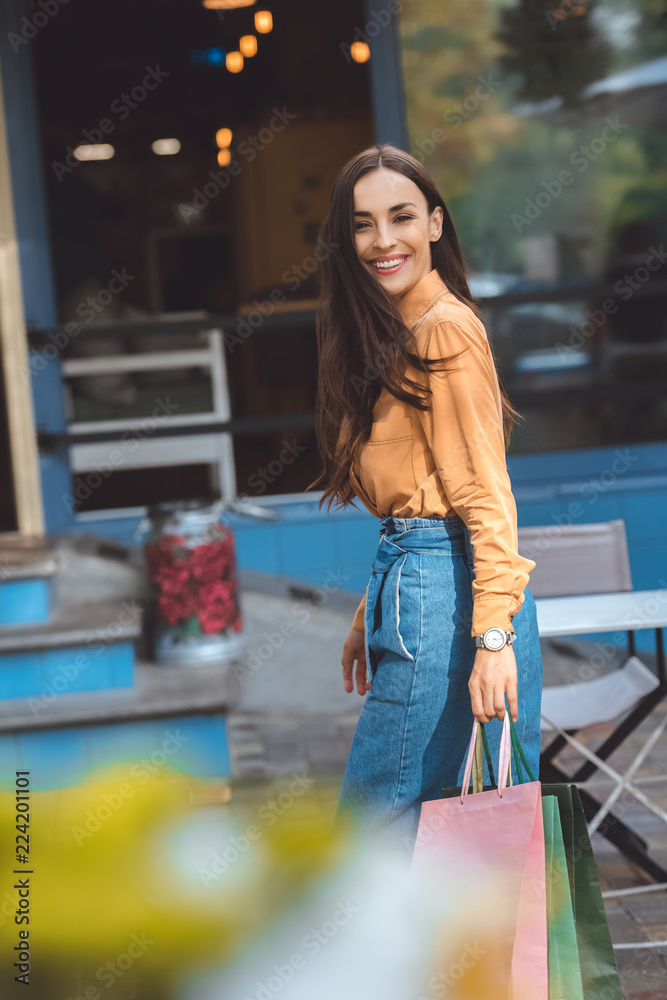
(388, 265)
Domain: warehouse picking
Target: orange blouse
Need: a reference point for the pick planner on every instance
(449, 459)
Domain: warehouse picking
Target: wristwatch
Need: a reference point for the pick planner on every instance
(494, 638)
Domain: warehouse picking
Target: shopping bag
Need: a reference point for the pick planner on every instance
(565, 981)
(599, 972)
(497, 831)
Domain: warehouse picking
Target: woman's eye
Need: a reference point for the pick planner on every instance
(399, 218)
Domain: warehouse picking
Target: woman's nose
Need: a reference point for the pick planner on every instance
(384, 240)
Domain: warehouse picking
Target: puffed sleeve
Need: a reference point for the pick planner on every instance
(464, 431)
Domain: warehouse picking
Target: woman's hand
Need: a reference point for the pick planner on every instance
(493, 675)
(354, 650)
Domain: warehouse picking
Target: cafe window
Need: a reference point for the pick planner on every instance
(543, 125)
(185, 181)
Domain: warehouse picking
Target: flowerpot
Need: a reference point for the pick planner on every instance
(191, 563)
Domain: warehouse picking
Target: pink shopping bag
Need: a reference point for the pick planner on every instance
(499, 836)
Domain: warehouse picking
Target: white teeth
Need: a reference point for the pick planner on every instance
(383, 265)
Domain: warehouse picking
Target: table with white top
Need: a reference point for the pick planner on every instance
(617, 612)
(628, 612)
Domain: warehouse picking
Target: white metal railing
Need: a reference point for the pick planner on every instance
(215, 450)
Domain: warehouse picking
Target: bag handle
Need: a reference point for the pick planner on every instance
(509, 745)
(518, 753)
(504, 757)
(481, 751)
(487, 754)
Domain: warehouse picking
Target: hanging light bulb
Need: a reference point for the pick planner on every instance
(263, 21)
(223, 137)
(248, 46)
(234, 62)
(94, 151)
(360, 52)
(227, 4)
(165, 147)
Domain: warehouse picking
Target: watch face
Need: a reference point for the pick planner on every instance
(494, 638)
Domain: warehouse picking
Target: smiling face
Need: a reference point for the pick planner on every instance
(394, 229)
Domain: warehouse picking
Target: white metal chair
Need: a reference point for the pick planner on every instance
(574, 707)
(137, 449)
(607, 699)
(590, 559)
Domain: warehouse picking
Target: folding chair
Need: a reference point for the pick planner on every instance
(567, 709)
(593, 559)
(605, 700)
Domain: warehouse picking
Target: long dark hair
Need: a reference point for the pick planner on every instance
(360, 330)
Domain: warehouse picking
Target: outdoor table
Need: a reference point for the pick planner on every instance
(628, 612)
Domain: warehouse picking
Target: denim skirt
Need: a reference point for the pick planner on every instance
(414, 729)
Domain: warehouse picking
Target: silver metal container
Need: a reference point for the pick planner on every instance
(191, 561)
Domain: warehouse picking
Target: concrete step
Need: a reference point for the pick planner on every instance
(69, 625)
(28, 567)
(157, 693)
(27, 557)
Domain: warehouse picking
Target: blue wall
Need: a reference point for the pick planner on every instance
(582, 487)
(60, 758)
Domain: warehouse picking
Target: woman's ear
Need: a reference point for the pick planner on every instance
(435, 224)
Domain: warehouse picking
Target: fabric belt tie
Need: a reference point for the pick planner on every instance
(384, 583)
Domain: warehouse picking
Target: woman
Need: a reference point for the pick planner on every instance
(412, 420)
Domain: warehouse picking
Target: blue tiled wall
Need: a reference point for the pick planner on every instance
(24, 601)
(59, 758)
(66, 670)
(582, 487)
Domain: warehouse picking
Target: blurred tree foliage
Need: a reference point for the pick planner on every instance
(554, 48)
(466, 75)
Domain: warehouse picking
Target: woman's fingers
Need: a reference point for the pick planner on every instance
(354, 651)
(493, 677)
(362, 686)
(499, 702)
(347, 675)
(513, 701)
(482, 697)
(348, 666)
(477, 702)
(489, 695)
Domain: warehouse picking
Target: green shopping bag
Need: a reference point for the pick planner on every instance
(599, 973)
(565, 982)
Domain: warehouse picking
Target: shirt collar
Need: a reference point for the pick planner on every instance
(417, 300)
